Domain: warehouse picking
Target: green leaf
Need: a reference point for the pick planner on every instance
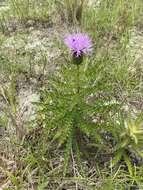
(125, 143)
(42, 186)
(67, 155)
(118, 156)
(129, 164)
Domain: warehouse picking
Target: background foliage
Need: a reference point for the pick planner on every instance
(40, 109)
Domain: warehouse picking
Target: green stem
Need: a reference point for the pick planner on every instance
(77, 130)
(78, 84)
(75, 121)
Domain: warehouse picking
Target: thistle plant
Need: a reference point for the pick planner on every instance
(80, 45)
(74, 108)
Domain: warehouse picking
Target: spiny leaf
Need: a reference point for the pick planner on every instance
(129, 164)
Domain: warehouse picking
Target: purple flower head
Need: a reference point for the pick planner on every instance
(79, 44)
